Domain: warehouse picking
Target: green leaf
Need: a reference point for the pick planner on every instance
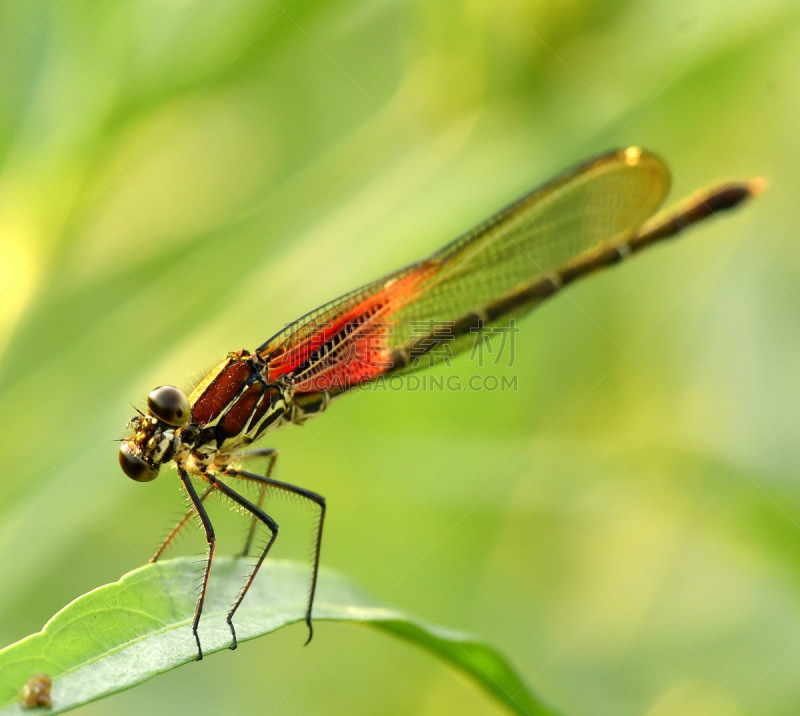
(124, 633)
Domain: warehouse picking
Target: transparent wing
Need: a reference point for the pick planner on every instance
(594, 205)
(583, 211)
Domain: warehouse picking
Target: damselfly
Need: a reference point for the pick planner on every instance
(590, 217)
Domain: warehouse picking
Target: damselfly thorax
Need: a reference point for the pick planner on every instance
(232, 407)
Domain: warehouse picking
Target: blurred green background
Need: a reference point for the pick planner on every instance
(180, 179)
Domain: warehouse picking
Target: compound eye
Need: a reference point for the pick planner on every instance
(134, 467)
(169, 404)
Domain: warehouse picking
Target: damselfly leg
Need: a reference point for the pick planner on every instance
(174, 533)
(266, 482)
(272, 457)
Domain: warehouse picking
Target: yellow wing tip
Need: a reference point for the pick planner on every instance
(632, 155)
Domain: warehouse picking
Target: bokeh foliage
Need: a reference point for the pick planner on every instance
(180, 179)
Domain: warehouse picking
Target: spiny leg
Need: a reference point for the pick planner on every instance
(171, 536)
(209, 530)
(319, 500)
(272, 457)
(272, 526)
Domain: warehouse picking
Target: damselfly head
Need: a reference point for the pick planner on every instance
(133, 465)
(155, 437)
(170, 405)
